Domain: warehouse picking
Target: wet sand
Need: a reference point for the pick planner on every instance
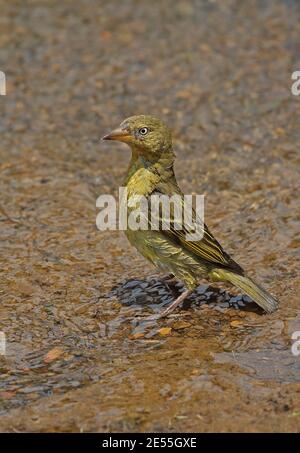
(80, 355)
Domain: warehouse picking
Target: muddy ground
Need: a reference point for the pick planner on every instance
(79, 355)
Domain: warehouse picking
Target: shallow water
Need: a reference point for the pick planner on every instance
(81, 354)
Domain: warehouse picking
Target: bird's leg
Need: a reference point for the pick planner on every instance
(169, 279)
(172, 282)
(175, 303)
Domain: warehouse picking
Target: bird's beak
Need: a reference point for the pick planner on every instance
(118, 134)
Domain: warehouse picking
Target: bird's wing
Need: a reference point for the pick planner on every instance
(207, 249)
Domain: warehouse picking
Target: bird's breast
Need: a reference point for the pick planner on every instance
(142, 182)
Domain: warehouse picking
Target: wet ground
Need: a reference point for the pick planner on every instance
(80, 355)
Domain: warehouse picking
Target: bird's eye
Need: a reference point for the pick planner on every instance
(143, 130)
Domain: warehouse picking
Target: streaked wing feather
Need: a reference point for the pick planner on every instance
(207, 249)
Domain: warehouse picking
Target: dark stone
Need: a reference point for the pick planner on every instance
(131, 284)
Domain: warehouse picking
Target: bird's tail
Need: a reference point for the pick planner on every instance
(252, 289)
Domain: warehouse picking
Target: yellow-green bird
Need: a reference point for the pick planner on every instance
(151, 172)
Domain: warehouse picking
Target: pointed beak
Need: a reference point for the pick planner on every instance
(118, 134)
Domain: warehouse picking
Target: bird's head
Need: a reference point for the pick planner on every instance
(146, 135)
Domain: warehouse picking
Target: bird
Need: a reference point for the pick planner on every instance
(151, 172)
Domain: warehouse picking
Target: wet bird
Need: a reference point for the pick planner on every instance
(151, 172)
